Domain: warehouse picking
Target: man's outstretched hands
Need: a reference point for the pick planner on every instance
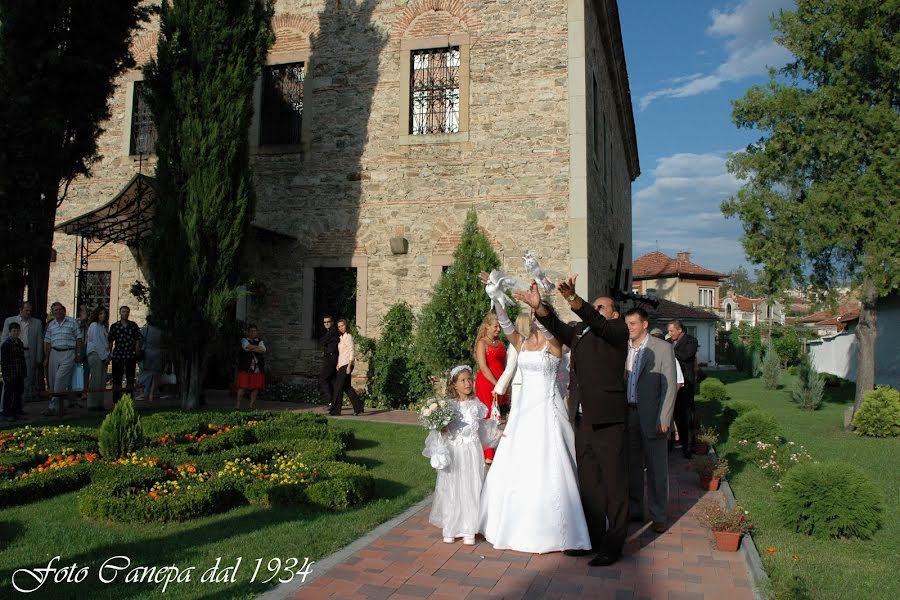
(566, 286)
(532, 297)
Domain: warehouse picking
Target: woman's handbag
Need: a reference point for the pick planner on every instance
(168, 376)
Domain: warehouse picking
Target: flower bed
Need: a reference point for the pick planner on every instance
(208, 463)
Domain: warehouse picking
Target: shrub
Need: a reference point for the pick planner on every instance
(788, 347)
(342, 486)
(121, 432)
(396, 376)
(44, 485)
(771, 368)
(239, 435)
(808, 386)
(713, 389)
(707, 467)
(449, 322)
(713, 513)
(752, 427)
(739, 407)
(879, 414)
(830, 500)
(13, 463)
(832, 380)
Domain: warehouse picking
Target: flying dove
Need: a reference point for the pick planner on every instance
(536, 272)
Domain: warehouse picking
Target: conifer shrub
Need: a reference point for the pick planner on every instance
(879, 414)
(771, 368)
(809, 386)
(121, 432)
(713, 389)
(830, 500)
(397, 376)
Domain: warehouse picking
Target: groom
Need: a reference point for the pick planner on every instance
(597, 406)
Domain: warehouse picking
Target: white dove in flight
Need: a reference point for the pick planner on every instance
(536, 272)
(497, 285)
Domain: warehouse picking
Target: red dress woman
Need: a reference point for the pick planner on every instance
(491, 355)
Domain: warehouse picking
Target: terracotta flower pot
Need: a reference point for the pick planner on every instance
(701, 448)
(728, 541)
(710, 483)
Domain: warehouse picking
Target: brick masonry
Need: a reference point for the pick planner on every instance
(353, 182)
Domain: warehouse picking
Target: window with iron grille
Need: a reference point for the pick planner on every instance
(143, 128)
(96, 289)
(434, 91)
(281, 115)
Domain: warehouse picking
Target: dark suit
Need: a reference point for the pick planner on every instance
(686, 353)
(328, 373)
(596, 383)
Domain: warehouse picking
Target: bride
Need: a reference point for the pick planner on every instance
(530, 500)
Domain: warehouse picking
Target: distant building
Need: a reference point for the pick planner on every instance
(677, 279)
(701, 324)
(736, 309)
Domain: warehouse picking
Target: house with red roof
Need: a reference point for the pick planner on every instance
(677, 279)
(736, 309)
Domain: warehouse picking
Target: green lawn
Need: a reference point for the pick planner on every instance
(32, 534)
(827, 570)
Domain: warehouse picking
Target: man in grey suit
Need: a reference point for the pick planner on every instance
(650, 390)
(32, 336)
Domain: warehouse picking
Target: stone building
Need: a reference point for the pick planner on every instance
(378, 124)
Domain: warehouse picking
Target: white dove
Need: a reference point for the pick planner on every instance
(536, 272)
(497, 285)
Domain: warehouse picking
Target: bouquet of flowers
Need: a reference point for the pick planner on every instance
(436, 415)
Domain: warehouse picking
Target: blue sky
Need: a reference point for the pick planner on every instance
(687, 61)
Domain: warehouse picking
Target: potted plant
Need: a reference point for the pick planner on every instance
(710, 470)
(727, 524)
(704, 439)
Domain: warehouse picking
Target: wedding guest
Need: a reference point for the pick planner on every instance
(491, 356)
(650, 390)
(97, 358)
(346, 359)
(457, 492)
(125, 339)
(685, 346)
(679, 376)
(329, 342)
(32, 336)
(152, 363)
(62, 343)
(81, 361)
(251, 366)
(14, 368)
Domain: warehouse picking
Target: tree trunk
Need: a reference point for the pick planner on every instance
(865, 340)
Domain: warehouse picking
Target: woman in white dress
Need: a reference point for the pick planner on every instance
(530, 500)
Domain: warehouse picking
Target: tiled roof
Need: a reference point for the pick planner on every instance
(672, 310)
(849, 311)
(657, 264)
(745, 303)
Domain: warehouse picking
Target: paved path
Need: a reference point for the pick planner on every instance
(411, 561)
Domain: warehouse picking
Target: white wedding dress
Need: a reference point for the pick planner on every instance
(530, 500)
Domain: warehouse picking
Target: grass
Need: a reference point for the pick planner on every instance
(800, 566)
(32, 534)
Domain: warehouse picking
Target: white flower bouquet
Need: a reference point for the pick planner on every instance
(436, 415)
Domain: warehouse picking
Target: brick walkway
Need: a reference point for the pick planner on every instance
(411, 561)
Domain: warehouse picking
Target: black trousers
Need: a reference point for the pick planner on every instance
(342, 386)
(327, 375)
(122, 366)
(603, 479)
(13, 387)
(683, 415)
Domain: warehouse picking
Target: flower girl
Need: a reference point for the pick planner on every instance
(457, 453)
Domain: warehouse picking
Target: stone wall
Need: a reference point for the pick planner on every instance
(357, 179)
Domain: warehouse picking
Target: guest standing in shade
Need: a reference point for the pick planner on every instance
(328, 373)
(62, 343)
(346, 359)
(152, 363)
(97, 358)
(32, 336)
(125, 339)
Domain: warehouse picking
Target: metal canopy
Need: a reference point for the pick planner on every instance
(126, 219)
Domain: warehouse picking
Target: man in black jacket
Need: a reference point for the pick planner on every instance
(597, 408)
(685, 346)
(329, 343)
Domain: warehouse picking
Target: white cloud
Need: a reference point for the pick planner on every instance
(749, 45)
(679, 210)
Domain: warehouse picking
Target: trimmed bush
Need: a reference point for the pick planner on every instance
(879, 414)
(740, 407)
(121, 432)
(713, 389)
(342, 485)
(44, 485)
(13, 463)
(754, 426)
(830, 500)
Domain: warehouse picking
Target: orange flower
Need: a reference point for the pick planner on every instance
(795, 557)
(153, 494)
(771, 550)
(190, 468)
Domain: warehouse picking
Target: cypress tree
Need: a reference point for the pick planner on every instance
(449, 323)
(210, 54)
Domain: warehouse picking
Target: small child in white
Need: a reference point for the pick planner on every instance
(457, 494)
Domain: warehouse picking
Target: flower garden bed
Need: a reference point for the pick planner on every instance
(191, 465)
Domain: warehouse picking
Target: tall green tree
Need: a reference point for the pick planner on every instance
(209, 56)
(820, 200)
(58, 63)
(740, 282)
(449, 323)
